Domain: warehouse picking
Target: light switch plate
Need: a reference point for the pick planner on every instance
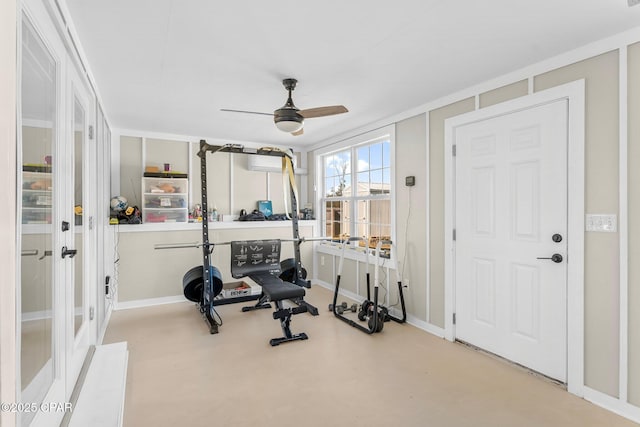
(603, 223)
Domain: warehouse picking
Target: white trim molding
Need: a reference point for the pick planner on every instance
(612, 404)
(150, 302)
(623, 228)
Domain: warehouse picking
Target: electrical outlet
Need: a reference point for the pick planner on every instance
(322, 260)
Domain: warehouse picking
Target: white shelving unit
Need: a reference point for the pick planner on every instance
(165, 200)
(37, 197)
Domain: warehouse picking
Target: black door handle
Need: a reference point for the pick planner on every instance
(557, 258)
(68, 252)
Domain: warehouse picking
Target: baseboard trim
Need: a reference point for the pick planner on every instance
(613, 404)
(126, 305)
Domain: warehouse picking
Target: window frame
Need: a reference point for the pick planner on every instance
(369, 138)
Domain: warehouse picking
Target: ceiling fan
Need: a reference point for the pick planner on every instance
(289, 118)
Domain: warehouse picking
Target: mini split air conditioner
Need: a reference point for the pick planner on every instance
(270, 164)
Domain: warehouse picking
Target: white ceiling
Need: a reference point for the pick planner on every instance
(170, 65)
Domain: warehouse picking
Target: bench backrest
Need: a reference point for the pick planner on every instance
(255, 256)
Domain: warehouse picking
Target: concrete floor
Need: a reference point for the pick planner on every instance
(180, 375)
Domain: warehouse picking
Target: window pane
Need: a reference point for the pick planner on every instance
(343, 158)
(338, 164)
(377, 186)
(328, 229)
(329, 189)
(375, 156)
(328, 166)
(363, 184)
(375, 231)
(386, 154)
(380, 212)
(363, 158)
(345, 185)
(334, 218)
(363, 211)
(386, 177)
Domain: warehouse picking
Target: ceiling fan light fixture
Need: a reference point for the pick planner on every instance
(288, 120)
(289, 126)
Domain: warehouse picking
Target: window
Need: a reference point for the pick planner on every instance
(356, 191)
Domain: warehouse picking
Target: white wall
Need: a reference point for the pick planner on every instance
(612, 278)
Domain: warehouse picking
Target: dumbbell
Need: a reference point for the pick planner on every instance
(341, 308)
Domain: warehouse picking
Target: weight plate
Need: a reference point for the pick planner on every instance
(193, 281)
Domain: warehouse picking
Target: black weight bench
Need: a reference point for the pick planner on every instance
(260, 261)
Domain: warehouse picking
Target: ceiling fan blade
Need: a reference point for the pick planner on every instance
(298, 132)
(248, 112)
(323, 111)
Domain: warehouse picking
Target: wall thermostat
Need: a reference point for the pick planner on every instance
(410, 181)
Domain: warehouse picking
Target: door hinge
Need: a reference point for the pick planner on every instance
(453, 150)
(92, 313)
(454, 234)
(454, 318)
(90, 132)
(90, 223)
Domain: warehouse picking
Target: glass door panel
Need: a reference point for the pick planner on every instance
(80, 204)
(39, 192)
(78, 142)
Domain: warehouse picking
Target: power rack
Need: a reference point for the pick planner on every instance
(212, 285)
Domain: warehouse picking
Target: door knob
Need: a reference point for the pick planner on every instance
(68, 252)
(557, 258)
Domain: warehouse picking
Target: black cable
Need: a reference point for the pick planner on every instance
(217, 314)
(406, 233)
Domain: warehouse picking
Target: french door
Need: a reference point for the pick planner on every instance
(80, 241)
(56, 233)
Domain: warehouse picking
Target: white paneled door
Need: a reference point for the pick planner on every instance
(511, 236)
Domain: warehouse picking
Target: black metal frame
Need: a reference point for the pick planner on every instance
(207, 301)
(376, 312)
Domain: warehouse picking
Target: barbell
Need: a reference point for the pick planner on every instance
(199, 245)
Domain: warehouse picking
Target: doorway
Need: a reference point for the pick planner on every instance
(57, 235)
(514, 214)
